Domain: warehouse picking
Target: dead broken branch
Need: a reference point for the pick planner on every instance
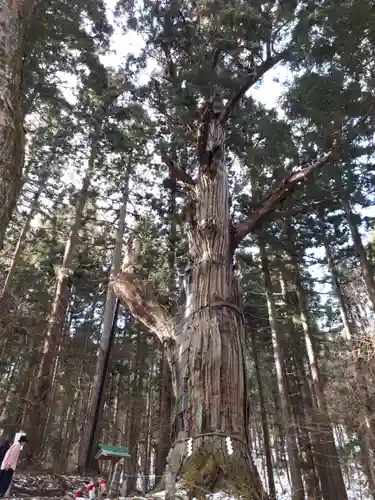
(177, 172)
(138, 296)
(252, 78)
(271, 202)
(136, 292)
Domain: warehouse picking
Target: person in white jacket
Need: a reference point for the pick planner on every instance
(9, 463)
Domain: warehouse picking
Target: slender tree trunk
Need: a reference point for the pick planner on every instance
(115, 407)
(263, 413)
(364, 425)
(335, 484)
(14, 18)
(286, 410)
(69, 417)
(7, 397)
(66, 463)
(148, 429)
(22, 237)
(47, 423)
(166, 399)
(52, 339)
(78, 429)
(134, 411)
(121, 417)
(109, 311)
(337, 286)
(313, 422)
(360, 250)
(297, 403)
(365, 417)
(300, 402)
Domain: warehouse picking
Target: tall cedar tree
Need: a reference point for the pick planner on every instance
(210, 53)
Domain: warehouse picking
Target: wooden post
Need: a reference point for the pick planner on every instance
(170, 483)
(124, 486)
(114, 474)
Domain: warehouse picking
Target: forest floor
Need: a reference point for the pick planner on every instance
(34, 484)
(38, 485)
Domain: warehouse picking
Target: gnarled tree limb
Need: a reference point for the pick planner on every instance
(254, 77)
(172, 73)
(270, 203)
(136, 292)
(177, 172)
(139, 298)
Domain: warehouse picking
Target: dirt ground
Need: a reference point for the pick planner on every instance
(36, 484)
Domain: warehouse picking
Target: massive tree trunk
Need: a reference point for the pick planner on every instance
(209, 357)
(205, 345)
(206, 349)
(14, 18)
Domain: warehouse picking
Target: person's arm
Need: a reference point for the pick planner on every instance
(11, 457)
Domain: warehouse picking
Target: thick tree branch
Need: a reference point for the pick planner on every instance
(137, 295)
(254, 77)
(304, 209)
(133, 289)
(177, 172)
(270, 203)
(172, 73)
(216, 57)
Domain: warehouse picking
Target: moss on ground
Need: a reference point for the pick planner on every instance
(209, 472)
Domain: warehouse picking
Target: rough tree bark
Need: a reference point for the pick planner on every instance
(14, 18)
(205, 347)
(319, 428)
(365, 424)
(307, 461)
